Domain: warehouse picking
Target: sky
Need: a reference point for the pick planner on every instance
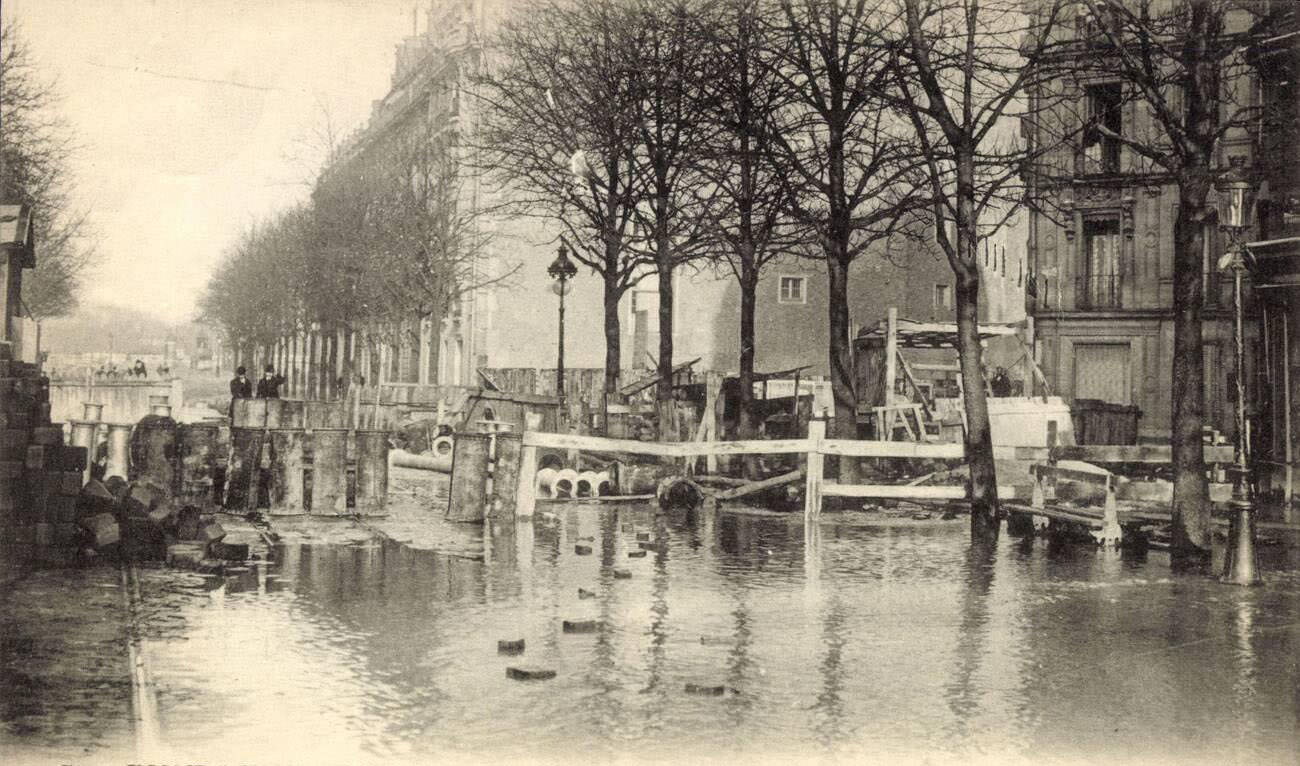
(199, 118)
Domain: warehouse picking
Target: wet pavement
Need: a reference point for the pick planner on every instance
(868, 642)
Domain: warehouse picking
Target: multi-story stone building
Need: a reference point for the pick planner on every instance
(1103, 259)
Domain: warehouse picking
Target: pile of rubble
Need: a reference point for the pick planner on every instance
(139, 522)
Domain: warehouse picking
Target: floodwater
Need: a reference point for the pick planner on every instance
(893, 642)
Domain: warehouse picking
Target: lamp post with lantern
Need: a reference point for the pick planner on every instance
(561, 270)
(1240, 566)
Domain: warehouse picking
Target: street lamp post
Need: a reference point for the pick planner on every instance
(1240, 566)
(561, 270)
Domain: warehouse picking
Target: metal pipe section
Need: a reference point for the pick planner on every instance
(402, 459)
(119, 447)
(83, 435)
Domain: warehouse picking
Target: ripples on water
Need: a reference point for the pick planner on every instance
(865, 643)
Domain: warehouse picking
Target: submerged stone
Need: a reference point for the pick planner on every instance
(622, 574)
(510, 646)
(584, 593)
(530, 674)
(580, 626)
(636, 554)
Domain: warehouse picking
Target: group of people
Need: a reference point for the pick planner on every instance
(267, 388)
(138, 370)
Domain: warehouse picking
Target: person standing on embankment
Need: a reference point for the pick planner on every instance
(269, 386)
(240, 388)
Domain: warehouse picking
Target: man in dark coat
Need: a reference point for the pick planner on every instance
(269, 386)
(240, 388)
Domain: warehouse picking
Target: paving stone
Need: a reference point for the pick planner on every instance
(580, 626)
(530, 674)
(510, 646)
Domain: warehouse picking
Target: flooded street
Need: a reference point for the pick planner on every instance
(874, 642)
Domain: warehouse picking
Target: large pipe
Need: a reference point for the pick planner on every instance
(119, 446)
(546, 480)
(83, 435)
(566, 483)
(593, 484)
(403, 459)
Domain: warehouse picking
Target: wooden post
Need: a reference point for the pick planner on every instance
(891, 355)
(712, 389)
(812, 500)
(1289, 472)
(526, 492)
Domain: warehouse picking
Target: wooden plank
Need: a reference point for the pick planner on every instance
(629, 446)
(905, 491)
(880, 448)
(1135, 453)
(750, 488)
(749, 447)
(1288, 485)
(812, 496)
(1072, 474)
(891, 360)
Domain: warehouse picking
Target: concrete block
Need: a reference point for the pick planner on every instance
(95, 498)
(11, 470)
(622, 574)
(580, 626)
(584, 593)
(582, 550)
(530, 674)
(636, 554)
(510, 646)
(48, 436)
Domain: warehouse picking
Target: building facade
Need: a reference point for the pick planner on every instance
(1102, 252)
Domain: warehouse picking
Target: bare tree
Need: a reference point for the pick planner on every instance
(850, 157)
(559, 135)
(747, 99)
(964, 77)
(36, 145)
(1187, 63)
(666, 44)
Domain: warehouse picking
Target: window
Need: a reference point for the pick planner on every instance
(792, 290)
(943, 296)
(1101, 152)
(1101, 277)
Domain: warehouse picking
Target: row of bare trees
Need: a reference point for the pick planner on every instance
(386, 243)
(663, 132)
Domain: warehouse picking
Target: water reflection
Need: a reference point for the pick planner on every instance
(871, 641)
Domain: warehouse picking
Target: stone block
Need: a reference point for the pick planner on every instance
(70, 483)
(582, 550)
(530, 674)
(510, 646)
(622, 574)
(211, 532)
(11, 470)
(188, 555)
(48, 436)
(706, 690)
(95, 498)
(188, 522)
(580, 626)
(228, 551)
(72, 459)
(636, 554)
(13, 444)
(36, 457)
(62, 509)
(65, 534)
(584, 593)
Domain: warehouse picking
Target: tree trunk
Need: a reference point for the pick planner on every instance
(841, 360)
(748, 420)
(984, 510)
(613, 344)
(1191, 505)
(985, 513)
(664, 390)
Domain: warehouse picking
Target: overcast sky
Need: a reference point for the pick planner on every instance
(199, 117)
